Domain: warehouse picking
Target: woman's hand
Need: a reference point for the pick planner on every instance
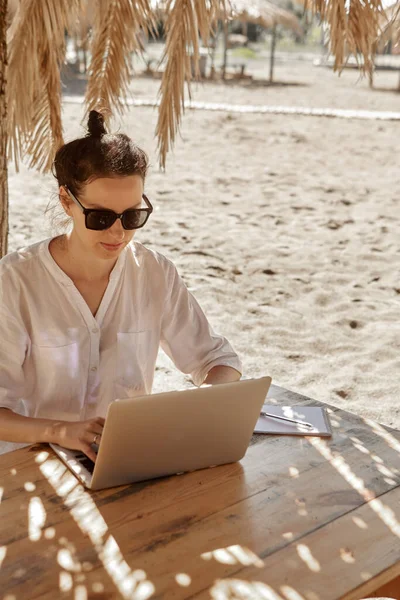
(79, 435)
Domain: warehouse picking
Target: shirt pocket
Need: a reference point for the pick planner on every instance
(56, 379)
(136, 359)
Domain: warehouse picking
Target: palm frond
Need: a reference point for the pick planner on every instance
(79, 29)
(354, 29)
(115, 29)
(12, 7)
(36, 51)
(184, 20)
(390, 25)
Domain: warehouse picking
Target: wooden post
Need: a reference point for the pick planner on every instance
(272, 55)
(3, 130)
(225, 48)
(371, 78)
(372, 71)
(215, 36)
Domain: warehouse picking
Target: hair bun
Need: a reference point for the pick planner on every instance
(96, 124)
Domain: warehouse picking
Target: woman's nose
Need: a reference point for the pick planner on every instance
(117, 231)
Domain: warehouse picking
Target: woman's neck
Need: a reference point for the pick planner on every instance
(78, 264)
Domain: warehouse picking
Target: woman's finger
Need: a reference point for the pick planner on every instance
(96, 429)
(92, 437)
(87, 449)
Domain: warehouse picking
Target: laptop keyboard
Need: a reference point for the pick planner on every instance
(85, 461)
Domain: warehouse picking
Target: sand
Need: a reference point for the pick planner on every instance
(286, 228)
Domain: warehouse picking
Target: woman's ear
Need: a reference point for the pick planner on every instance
(65, 200)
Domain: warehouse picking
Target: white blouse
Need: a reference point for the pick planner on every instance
(58, 361)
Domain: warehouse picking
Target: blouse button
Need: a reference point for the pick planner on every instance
(93, 369)
(95, 330)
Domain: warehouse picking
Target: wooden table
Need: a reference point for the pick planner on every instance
(297, 519)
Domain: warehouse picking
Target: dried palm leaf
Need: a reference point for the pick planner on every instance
(354, 29)
(390, 26)
(183, 22)
(79, 29)
(36, 51)
(12, 7)
(115, 28)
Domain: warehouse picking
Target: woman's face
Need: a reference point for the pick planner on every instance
(117, 194)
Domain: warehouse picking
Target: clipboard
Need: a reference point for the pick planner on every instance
(316, 415)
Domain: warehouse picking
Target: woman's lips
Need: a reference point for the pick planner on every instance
(111, 246)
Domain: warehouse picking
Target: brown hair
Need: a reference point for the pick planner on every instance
(98, 154)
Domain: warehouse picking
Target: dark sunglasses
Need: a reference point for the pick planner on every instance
(99, 219)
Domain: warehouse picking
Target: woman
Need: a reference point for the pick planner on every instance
(82, 315)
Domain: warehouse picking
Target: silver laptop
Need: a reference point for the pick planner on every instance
(172, 432)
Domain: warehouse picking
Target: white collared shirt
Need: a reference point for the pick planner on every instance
(58, 361)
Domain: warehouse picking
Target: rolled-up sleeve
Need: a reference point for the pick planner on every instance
(186, 335)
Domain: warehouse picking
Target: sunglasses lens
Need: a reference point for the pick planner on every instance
(99, 220)
(133, 219)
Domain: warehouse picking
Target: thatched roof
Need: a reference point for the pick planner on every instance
(37, 51)
(264, 13)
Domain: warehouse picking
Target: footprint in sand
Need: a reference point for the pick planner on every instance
(269, 272)
(216, 268)
(333, 224)
(198, 253)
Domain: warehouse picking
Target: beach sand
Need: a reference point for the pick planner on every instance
(286, 228)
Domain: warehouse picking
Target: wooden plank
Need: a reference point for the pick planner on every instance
(390, 590)
(43, 566)
(335, 562)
